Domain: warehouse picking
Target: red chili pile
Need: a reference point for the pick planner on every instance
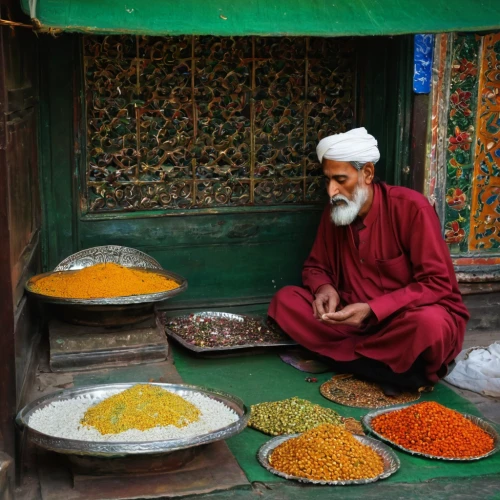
(433, 429)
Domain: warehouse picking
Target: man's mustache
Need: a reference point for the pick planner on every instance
(338, 199)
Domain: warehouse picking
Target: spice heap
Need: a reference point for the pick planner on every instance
(433, 429)
(63, 419)
(290, 416)
(102, 281)
(327, 453)
(141, 407)
(222, 331)
(350, 391)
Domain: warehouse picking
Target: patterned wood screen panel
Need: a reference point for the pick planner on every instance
(205, 122)
(473, 149)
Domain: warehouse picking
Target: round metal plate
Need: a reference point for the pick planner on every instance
(391, 461)
(367, 419)
(332, 390)
(114, 449)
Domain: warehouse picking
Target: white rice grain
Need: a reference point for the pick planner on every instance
(62, 419)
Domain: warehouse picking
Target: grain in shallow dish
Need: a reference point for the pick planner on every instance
(62, 419)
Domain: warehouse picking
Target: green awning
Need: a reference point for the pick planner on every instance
(265, 17)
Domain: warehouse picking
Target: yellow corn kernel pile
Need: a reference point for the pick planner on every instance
(141, 407)
(329, 453)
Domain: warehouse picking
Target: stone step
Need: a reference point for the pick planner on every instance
(483, 302)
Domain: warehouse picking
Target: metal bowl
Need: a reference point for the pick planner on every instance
(122, 449)
(111, 301)
(113, 311)
(367, 420)
(391, 461)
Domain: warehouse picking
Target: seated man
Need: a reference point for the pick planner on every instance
(380, 298)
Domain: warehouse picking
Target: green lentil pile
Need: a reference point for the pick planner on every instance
(291, 416)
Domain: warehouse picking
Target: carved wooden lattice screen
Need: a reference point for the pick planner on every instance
(206, 122)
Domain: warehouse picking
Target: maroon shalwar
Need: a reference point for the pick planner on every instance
(395, 260)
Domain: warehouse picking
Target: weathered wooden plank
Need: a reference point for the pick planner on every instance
(7, 354)
(26, 324)
(19, 210)
(24, 212)
(419, 141)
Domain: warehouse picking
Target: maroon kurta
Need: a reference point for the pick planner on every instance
(396, 261)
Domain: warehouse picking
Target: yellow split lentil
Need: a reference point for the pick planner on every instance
(141, 407)
(327, 453)
(102, 281)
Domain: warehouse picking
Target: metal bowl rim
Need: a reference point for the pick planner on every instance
(480, 422)
(22, 420)
(269, 446)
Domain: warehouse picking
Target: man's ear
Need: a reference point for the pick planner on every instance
(368, 172)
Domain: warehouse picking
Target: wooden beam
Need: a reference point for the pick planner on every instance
(7, 341)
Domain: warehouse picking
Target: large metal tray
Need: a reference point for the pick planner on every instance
(391, 461)
(367, 419)
(222, 349)
(116, 449)
(109, 312)
(148, 298)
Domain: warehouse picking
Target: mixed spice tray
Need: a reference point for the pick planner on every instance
(218, 332)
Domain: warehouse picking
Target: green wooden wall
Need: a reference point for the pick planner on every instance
(230, 257)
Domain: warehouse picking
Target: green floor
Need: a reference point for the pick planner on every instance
(264, 377)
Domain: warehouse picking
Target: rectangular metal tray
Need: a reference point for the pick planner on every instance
(224, 349)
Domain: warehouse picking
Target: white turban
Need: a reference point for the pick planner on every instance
(356, 145)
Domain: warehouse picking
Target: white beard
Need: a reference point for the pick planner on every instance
(345, 213)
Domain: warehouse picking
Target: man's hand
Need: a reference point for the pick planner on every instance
(326, 301)
(352, 315)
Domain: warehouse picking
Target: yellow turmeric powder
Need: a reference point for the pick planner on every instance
(141, 407)
(102, 281)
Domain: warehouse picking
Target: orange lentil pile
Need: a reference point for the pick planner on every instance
(102, 281)
(433, 429)
(327, 453)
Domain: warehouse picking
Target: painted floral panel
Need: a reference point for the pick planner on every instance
(460, 140)
(485, 212)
